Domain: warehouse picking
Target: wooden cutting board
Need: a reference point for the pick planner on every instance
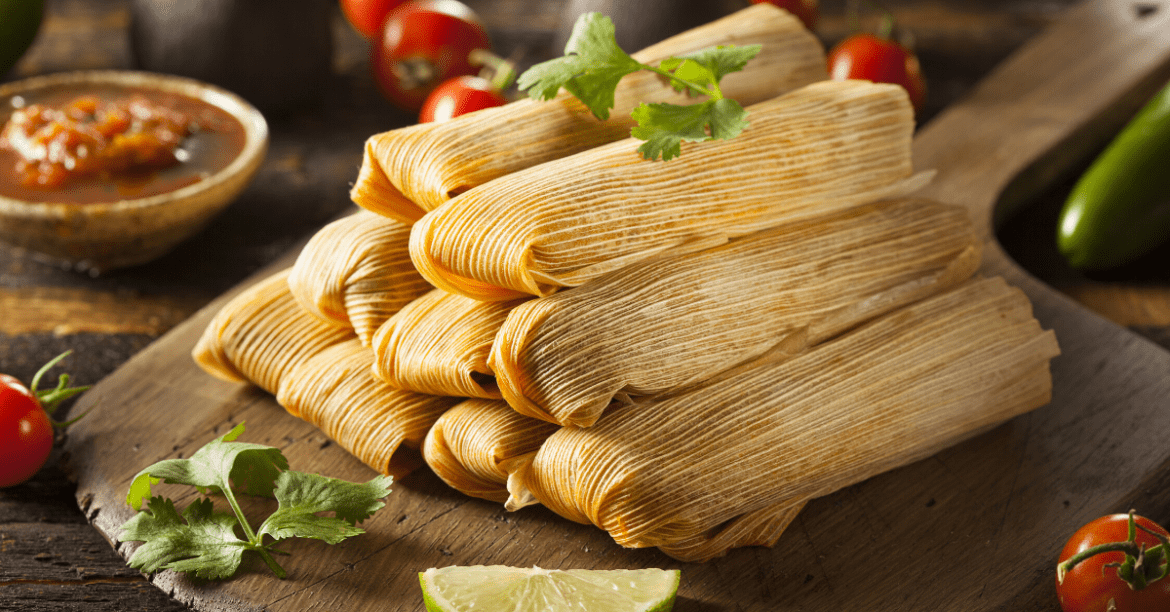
(974, 528)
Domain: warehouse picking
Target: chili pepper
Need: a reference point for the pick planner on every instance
(1120, 207)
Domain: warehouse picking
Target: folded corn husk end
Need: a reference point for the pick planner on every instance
(356, 272)
(262, 334)
(506, 360)
(442, 460)
(442, 277)
(476, 446)
(373, 191)
(336, 392)
(519, 496)
(211, 350)
(439, 344)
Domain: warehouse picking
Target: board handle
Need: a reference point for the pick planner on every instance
(1046, 109)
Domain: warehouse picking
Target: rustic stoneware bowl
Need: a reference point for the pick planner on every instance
(100, 236)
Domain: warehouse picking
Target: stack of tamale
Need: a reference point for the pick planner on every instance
(682, 353)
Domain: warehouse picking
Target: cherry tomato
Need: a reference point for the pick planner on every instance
(367, 16)
(881, 60)
(422, 44)
(1091, 587)
(26, 435)
(805, 10)
(459, 96)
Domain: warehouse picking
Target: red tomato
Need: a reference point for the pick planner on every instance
(367, 16)
(26, 435)
(422, 44)
(1091, 587)
(459, 96)
(881, 60)
(805, 10)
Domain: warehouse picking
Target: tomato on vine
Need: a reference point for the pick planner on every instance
(805, 10)
(459, 96)
(423, 43)
(26, 429)
(465, 94)
(367, 16)
(1116, 563)
(881, 59)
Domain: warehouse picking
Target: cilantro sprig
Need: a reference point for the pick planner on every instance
(593, 65)
(208, 543)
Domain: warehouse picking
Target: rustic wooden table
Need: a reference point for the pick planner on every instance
(51, 559)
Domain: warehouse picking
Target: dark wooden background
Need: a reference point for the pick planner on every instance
(51, 559)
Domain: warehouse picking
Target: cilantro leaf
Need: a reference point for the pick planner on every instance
(253, 467)
(206, 543)
(590, 70)
(302, 496)
(665, 126)
(593, 65)
(689, 73)
(717, 62)
(202, 541)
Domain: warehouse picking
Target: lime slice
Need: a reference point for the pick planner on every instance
(497, 588)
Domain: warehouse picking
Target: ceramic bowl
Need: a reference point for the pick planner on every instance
(100, 236)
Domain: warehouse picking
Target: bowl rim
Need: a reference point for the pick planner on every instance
(252, 120)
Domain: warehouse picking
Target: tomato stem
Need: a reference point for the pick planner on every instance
(50, 398)
(45, 369)
(1141, 567)
(503, 72)
(885, 29)
(1129, 548)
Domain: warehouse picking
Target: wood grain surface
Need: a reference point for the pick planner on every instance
(933, 535)
(51, 559)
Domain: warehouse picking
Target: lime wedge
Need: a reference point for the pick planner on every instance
(497, 588)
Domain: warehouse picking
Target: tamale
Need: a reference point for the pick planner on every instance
(439, 344)
(825, 147)
(409, 171)
(335, 391)
(890, 392)
(357, 272)
(656, 325)
(262, 334)
(476, 445)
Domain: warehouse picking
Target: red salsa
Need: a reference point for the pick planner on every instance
(112, 143)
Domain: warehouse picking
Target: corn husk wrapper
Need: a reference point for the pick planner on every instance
(335, 391)
(823, 148)
(668, 322)
(439, 344)
(893, 391)
(409, 171)
(476, 445)
(262, 334)
(357, 272)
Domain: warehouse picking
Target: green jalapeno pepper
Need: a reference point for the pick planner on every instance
(1120, 208)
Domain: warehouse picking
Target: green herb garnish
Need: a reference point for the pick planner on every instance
(594, 64)
(207, 543)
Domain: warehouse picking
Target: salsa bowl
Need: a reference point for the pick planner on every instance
(114, 225)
